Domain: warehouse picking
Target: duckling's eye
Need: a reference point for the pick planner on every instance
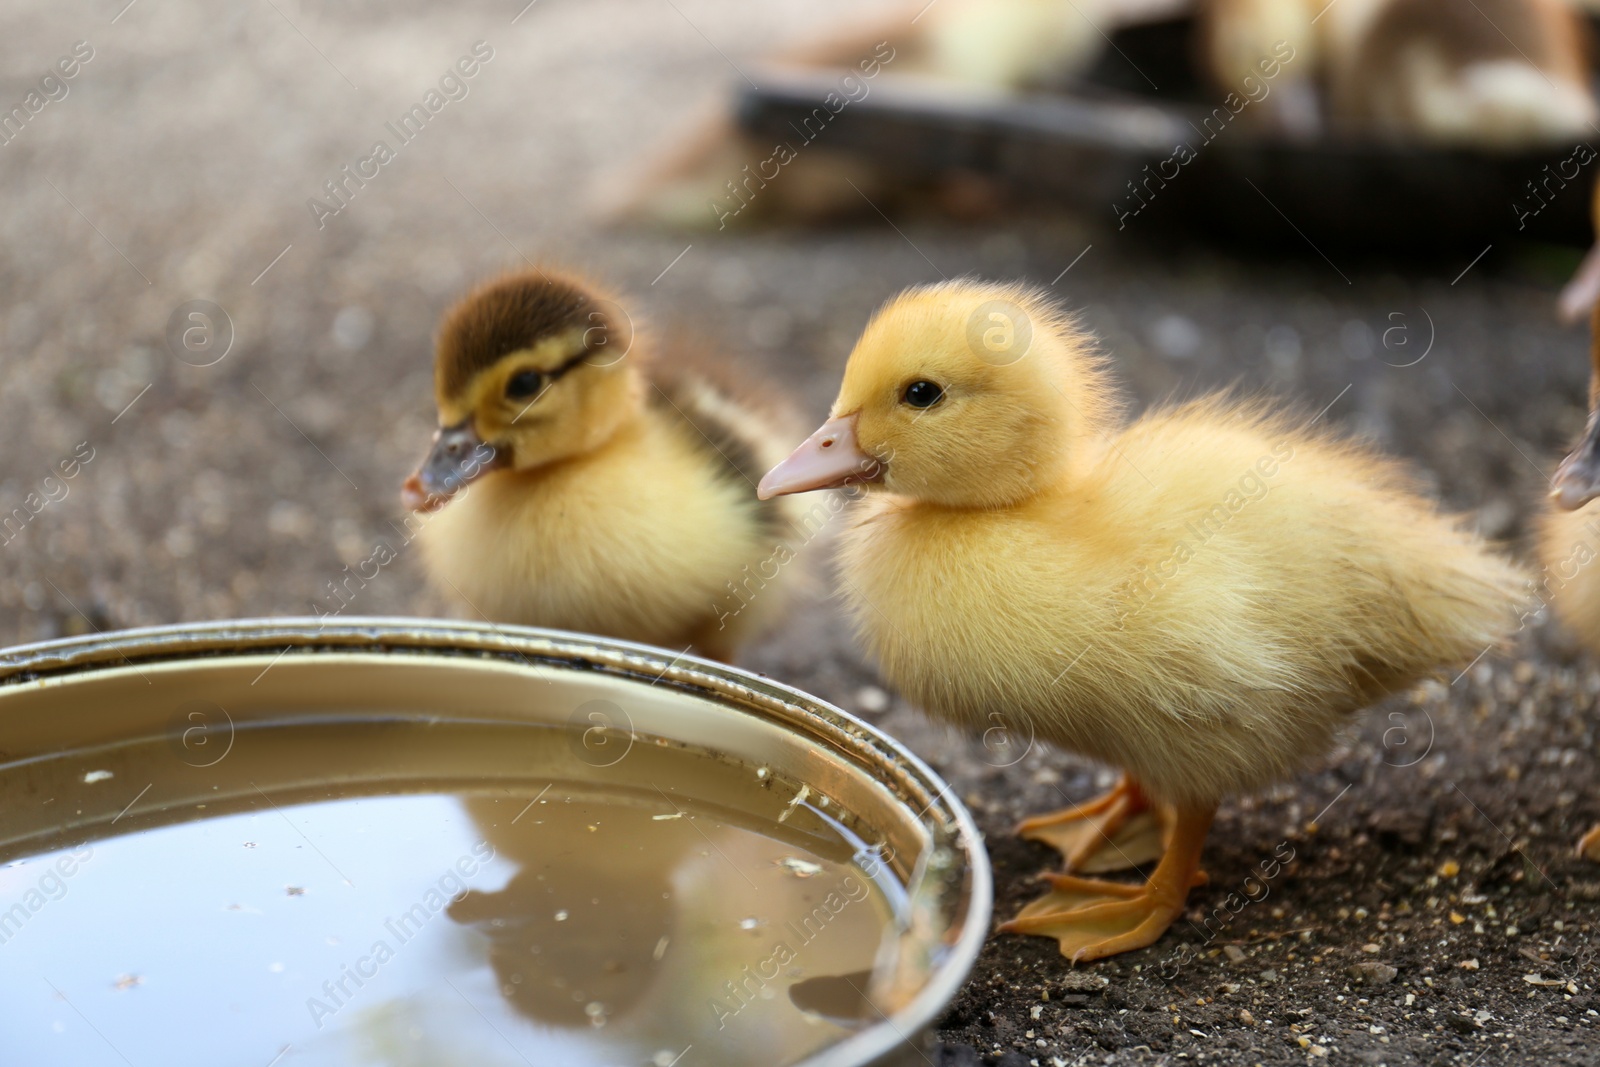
(524, 384)
(923, 394)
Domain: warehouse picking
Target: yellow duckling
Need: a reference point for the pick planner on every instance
(716, 175)
(1268, 51)
(603, 498)
(1569, 535)
(1499, 73)
(1569, 549)
(1496, 73)
(1201, 597)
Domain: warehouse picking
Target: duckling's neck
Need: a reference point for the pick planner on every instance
(1083, 472)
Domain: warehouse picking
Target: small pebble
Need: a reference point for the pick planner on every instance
(1371, 972)
(1082, 982)
(872, 700)
(799, 868)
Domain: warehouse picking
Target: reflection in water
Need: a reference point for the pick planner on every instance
(573, 935)
(480, 922)
(666, 928)
(839, 998)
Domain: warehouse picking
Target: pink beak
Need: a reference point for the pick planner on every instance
(828, 459)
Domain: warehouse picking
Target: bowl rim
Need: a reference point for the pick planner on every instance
(624, 660)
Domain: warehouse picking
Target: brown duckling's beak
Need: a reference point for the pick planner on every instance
(1577, 480)
(828, 459)
(458, 457)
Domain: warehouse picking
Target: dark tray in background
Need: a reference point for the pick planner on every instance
(1081, 147)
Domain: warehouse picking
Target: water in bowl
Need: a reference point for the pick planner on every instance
(430, 894)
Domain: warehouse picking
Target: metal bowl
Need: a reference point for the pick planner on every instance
(204, 688)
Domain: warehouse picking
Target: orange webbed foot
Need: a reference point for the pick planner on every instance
(1116, 831)
(1091, 919)
(1093, 931)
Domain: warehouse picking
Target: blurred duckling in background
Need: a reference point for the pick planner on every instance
(997, 45)
(1569, 535)
(1267, 52)
(1200, 598)
(1492, 73)
(983, 46)
(1577, 480)
(604, 497)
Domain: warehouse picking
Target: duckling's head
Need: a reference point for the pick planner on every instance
(966, 394)
(529, 370)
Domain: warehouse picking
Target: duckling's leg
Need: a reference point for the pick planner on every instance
(1122, 818)
(1589, 845)
(1092, 919)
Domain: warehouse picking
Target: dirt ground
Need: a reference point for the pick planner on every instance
(1432, 912)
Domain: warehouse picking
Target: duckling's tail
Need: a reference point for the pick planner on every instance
(1472, 601)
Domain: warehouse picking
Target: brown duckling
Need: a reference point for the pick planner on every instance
(1490, 73)
(588, 489)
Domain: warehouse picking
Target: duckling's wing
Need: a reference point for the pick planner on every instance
(737, 437)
